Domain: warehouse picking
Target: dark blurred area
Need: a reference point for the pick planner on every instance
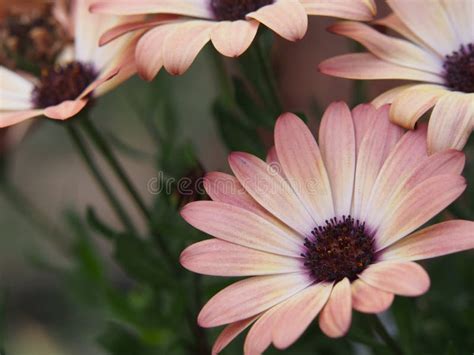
(41, 310)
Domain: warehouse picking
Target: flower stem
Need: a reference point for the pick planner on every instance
(106, 189)
(110, 157)
(380, 329)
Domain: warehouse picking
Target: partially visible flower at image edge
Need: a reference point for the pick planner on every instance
(323, 229)
(82, 72)
(181, 28)
(438, 51)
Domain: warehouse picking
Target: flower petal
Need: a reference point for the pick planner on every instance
(452, 122)
(368, 299)
(400, 278)
(366, 66)
(15, 91)
(461, 13)
(184, 43)
(249, 297)
(240, 226)
(192, 8)
(430, 23)
(393, 22)
(358, 10)
(65, 110)
(337, 141)
(149, 51)
(391, 49)
(271, 191)
(303, 167)
(12, 118)
(418, 206)
(364, 116)
(232, 38)
(335, 319)
(220, 258)
(287, 18)
(230, 333)
(377, 144)
(297, 314)
(388, 96)
(274, 162)
(441, 239)
(412, 103)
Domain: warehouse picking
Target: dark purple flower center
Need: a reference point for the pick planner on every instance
(342, 248)
(459, 69)
(63, 83)
(233, 10)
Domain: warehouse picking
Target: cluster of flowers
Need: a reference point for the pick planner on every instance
(349, 240)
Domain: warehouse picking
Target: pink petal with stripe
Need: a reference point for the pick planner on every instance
(287, 18)
(271, 191)
(400, 278)
(303, 167)
(366, 66)
(220, 258)
(441, 239)
(338, 149)
(359, 10)
(249, 297)
(368, 299)
(239, 226)
(12, 118)
(364, 116)
(232, 38)
(335, 319)
(230, 333)
(65, 110)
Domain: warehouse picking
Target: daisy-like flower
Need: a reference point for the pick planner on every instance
(84, 72)
(438, 52)
(231, 25)
(324, 229)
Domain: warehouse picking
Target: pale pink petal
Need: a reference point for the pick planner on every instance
(452, 122)
(337, 141)
(220, 258)
(368, 299)
(303, 167)
(98, 82)
(409, 152)
(271, 191)
(230, 333)
(430, 23)
(364, 116)
(391, 49)
(388, 96)
(287, 18)
(441, 239)
(358, 10)
(124, 28)
(249, 297)
(400, 278)
(460, 13)
(297, 314)
(418, 206)
(15, 91)
(240, 226)
(65, 110)
(184, 43)
(393, 22)
(259, 336)
(273, 161)
(192, 8)
(232, 38)
(335, 318)
(366, 66)
(14, 117)
(376, 145)
(410, 104)
(149, 51)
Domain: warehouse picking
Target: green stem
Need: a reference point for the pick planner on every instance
(110, 157)
(102, 182)
(222, 77)
(380, 329)
(36, 217)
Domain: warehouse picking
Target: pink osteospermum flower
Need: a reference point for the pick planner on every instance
(231, 25)
(85, 71)
(438, 52)
(324, 229)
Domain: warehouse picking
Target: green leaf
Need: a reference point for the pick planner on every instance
(99, 226)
